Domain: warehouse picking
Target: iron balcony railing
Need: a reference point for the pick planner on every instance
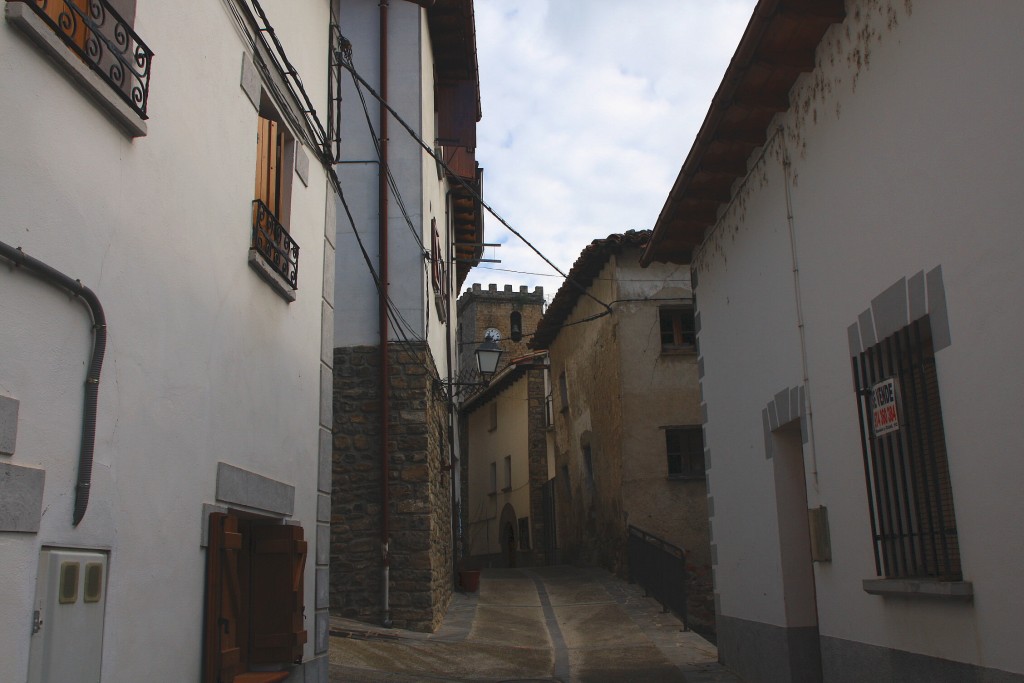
(105, 41)
(271, 240)
(660, 568)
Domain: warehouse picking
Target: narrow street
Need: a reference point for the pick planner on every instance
(539, 624)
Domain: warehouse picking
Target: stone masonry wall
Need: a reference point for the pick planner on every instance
(538, 454)
(420, 489)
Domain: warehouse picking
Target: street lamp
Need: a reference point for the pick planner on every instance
(488, 355)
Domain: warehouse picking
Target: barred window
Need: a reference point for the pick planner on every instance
(684, 447)
(913, 525)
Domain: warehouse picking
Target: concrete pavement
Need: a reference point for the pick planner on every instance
(562, 624)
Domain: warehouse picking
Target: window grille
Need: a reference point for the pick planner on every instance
(910, 499)
(684, 447)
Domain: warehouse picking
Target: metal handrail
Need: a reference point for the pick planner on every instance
(660, 568)
(106, 43)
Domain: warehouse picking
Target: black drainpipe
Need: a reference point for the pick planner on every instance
(92, 379)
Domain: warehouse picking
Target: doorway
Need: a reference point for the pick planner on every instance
(801, 610)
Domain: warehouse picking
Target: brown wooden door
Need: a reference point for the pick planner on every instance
(276, 608)
(222, 659)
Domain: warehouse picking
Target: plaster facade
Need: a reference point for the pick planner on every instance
(421, 58)
(211, 387)
(850, 225)
(509, 516)
(622, 391)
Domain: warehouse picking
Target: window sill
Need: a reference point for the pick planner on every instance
(23, 18)
(506, 489)
(276, 282)
(262, 677)
(928, 588)
(682, 351)
(686, 477)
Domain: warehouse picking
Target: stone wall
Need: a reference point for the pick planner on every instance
(538, 455)
(420, 489)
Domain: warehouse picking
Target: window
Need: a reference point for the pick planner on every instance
(684, 447)
(274, 254)
(913, 524)
(563, 391)
(677, 329)
(494, 479)
(588, 465)
(92, 41)
(438, 272)
(524, 533)
(254, 598)
(69, 17)
(492, 411)
(508, 473)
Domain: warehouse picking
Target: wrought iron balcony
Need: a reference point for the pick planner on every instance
(271, 240)
(105, 41)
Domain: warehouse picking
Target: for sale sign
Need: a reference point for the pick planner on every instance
(883, 407)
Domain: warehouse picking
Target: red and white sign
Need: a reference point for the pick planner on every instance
(884, 415)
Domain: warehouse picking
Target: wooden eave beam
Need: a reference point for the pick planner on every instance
(762, 98)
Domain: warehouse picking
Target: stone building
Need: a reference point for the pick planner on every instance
(406, 241)
(508, 515)
(626, 412)
(852, 214)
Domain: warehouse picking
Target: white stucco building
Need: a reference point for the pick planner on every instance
(127, 187)
(852, 207)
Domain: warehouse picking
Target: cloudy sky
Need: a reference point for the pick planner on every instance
(589, 109)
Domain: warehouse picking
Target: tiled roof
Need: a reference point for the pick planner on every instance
(778, 46)
(587, 267)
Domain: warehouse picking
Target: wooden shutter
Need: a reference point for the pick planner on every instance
(276, 607)
(222, 652)
(269, 155)
(69, 22)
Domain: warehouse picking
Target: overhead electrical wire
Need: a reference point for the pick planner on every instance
(387, 169)
(346, 62)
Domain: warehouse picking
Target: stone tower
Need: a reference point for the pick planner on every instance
(482, 309)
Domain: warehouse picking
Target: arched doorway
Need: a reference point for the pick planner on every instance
(507, 536)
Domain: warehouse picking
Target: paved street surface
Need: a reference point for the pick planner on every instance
(539, 624)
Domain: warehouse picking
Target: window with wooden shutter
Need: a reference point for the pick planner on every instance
(278, 562)
(69, 16)
(270, 143)
(438, 272)
(222, 647)
(678, 331)
(254, 599)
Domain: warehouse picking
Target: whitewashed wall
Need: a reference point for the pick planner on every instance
(204, 362)
(905, 146)
(411, 94)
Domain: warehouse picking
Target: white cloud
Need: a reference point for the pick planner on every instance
(589, 109)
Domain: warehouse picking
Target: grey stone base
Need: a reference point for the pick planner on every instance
(313, 671)
(763, 653)
(846, 661)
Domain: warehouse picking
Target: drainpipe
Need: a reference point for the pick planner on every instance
(92, 378)
(453, 411)
(385, 396)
